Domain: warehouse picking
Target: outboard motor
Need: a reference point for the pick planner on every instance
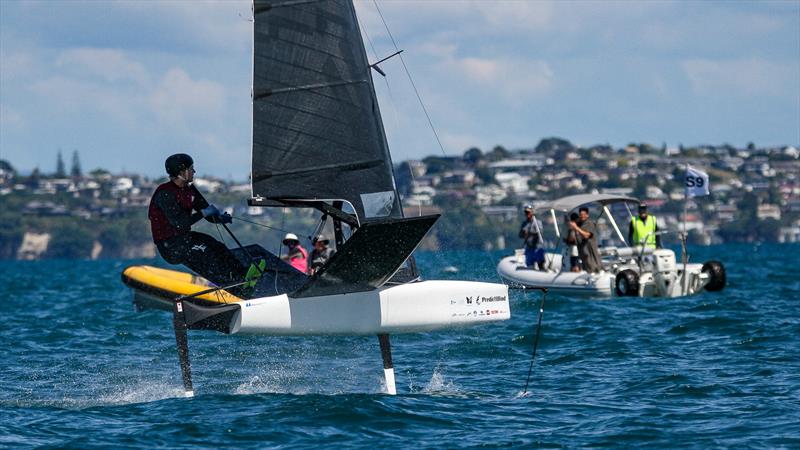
(665, 271)
(664, 261)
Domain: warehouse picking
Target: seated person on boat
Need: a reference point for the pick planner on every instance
(321, 254)
(296, 255)
(175, 206)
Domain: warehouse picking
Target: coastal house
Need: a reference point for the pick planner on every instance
(522, 166)
(427, 180)
(655, 192)
(417, 168)
(420, 195)
(123, 186)
(513, 182)
(725, 212)
(502, 213)
(768, 211)
(790, 234)
(489, 194)
(458, 179)
(44, 208)
(207, 185)
(240, 187)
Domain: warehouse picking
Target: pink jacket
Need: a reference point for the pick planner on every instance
(299, 263)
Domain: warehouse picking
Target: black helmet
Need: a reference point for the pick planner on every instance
(177, 163)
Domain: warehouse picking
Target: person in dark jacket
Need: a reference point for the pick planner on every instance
(177, 205)
(586, 233)
(320, 255)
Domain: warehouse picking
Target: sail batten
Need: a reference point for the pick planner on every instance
(265, 93)
(317, 130)
(348, 166)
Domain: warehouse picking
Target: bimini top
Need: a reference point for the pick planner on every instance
(573, 201)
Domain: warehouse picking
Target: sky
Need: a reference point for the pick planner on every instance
(127, 83)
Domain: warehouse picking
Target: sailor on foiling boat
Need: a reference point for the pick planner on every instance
(177, 205)
(318, 142)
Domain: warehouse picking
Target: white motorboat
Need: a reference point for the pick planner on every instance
(635, 271)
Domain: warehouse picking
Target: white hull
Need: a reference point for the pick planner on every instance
(554, 280)
(412, 307)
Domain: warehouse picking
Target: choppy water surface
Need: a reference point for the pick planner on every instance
(82, 369)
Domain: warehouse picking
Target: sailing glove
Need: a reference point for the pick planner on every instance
(224, 218)
(210, 211)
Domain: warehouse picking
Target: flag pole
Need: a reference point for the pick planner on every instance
(684, 256)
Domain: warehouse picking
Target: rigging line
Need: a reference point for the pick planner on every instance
(492, 263)
(408, 73)
(218, 294)
(386, 81)
(216, 225)
(395, 113)
(536, 340)
(260, 224)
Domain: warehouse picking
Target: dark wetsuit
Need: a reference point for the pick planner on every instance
(320, 258)
(173, 211)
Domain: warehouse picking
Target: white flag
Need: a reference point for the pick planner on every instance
(695, 182)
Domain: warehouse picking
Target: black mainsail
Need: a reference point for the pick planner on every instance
(317, 129)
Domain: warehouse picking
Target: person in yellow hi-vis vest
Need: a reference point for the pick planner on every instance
(644, 228)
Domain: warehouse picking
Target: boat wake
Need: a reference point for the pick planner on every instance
(143, 391)
(439, 384)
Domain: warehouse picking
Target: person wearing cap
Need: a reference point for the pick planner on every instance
(177, 205)
(321, 254)
(529, 233)
(643, 229)
(296, 254)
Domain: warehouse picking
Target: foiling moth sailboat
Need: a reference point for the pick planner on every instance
(319, 142)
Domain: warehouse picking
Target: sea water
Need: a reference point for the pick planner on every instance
(81, 369)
